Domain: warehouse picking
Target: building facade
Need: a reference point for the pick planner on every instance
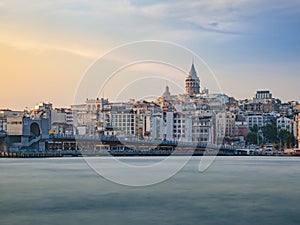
(284, 123)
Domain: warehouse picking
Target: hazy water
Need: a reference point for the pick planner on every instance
(234, 190)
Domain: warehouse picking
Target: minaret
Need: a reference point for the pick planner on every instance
(192, 82)
(167, 93)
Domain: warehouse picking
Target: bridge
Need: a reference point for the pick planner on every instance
(120, 146)
(78, 145)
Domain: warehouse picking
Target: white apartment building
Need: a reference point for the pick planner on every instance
(156, 126)
(88, 118)
(202, 129)
(168, 124)
(182, 128)
(255, 120)
(62, 121)
(220, 127)
(124, 123)
(284, 123)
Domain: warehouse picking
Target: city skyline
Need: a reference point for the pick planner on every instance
(47, 47)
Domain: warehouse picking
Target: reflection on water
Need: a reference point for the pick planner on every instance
(234, 190)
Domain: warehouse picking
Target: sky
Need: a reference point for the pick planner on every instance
(47, 47)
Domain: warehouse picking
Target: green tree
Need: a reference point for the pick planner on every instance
(287, 139)
(252, 138)
(255, 128)
(270, 133)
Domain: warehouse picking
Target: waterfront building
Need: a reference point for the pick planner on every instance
(35, 131)
(79, 118)
(144, 111)
(14, 122)
(298, 122)
(297, 112)
(241, 127)
(168, 124)
(182, 128)
(62, 121)
(11, 127)
(230, 125)
(202, 129)
(295, 125)
(3, 120)
(156, 126)
(90, 118)
(11, 121)
(123, 121)
(219, 127)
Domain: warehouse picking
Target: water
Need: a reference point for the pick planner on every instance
(234, 190)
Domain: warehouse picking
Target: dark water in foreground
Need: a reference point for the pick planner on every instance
(234, 190)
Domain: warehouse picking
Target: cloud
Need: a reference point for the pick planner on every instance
(39, 48)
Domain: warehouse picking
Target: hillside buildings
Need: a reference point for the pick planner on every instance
(194, 116)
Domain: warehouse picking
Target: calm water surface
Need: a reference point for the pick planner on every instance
(234, 190)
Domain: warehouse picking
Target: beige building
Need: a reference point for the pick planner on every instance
(298, 125)
(230, 124)
(14, 123)
(297, 109)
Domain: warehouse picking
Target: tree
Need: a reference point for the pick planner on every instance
(270, 133)
(255, 128)
(287, 139)
(252, 138)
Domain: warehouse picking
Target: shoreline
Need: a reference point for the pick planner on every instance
(124, 154)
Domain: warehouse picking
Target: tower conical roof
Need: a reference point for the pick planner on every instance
(193, 72)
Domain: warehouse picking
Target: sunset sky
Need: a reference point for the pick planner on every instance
(46, 46)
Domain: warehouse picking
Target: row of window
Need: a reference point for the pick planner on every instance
(122, 115)
(123, 120)
(179, 136)
(201, 124)
(178, 131)
(202, 139)
(282, 121)
(122, 129)
(179, 126)
(15, 122)
(179, 120)
(204, 130)
(123, 124)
